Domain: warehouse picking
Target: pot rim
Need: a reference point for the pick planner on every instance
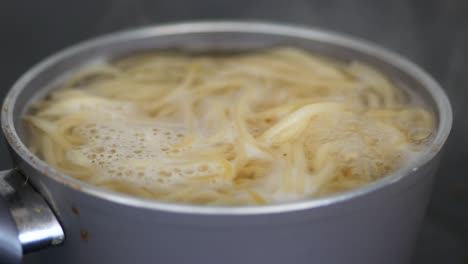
(443, 106)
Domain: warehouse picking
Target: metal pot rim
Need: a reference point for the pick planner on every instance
(442, 104)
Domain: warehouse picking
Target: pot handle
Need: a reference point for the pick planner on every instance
(27, 223)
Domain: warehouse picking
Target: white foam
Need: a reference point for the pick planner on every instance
(140, 152)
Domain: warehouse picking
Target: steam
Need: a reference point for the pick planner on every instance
(123, 14)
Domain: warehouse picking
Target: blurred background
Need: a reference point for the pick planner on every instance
(432, 33)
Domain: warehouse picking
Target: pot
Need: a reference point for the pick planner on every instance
(377, 223)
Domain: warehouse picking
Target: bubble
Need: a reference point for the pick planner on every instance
(160, 180)
(123, 150)
(165, 173)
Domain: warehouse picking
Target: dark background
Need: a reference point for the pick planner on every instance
(432, 33)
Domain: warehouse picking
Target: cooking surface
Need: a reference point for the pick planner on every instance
(432, 33)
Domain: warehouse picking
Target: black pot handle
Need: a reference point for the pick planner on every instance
(26, 221)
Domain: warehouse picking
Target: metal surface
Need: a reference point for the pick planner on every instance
(374, 224)
(10, 247)
(36, 225)
(361, 230)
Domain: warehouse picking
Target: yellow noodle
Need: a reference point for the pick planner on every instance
(253, 128)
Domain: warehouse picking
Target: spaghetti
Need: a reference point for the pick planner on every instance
(252, 128)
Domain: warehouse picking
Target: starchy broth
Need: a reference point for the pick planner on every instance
(262, 127)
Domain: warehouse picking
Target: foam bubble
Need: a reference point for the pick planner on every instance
(140, 152)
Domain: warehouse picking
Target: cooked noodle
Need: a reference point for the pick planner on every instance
(253, 128)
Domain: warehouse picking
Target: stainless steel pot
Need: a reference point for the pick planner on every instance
(377, 223)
